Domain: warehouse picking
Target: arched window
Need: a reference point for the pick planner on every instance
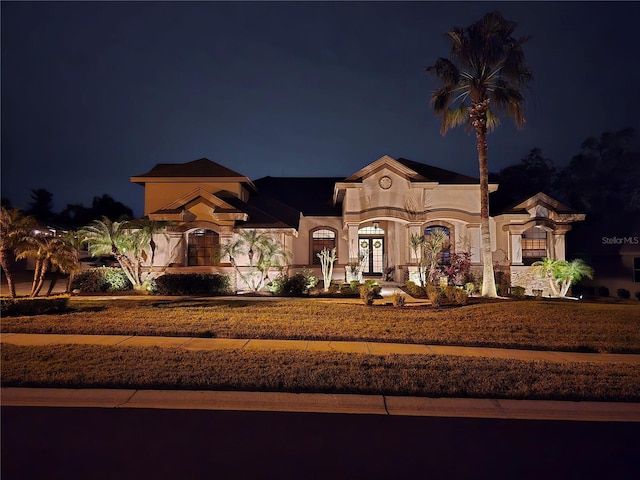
(203, 248)
(444, 257)
(321, 238)
(534, 245)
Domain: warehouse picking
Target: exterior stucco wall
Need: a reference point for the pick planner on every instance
(158, 195)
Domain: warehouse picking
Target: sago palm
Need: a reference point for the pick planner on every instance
(485, 74)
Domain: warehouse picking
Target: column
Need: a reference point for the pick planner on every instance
(559, 246)
(516, 248)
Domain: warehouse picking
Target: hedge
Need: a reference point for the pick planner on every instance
(13, 307)
(191, 284)
(102, 279)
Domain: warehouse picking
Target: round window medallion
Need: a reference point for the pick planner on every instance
(385, 182)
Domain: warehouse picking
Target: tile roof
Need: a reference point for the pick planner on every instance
(202, 167)
(436, 174)
(310, 196)
(257, 218)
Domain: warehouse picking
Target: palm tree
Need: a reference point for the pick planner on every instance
(562, 273)
(417, 242)
(568, 273)
(14, 229)
(262, 252)
(73, 240)
(106, 237)
(48, 252)
(545, 268)
(148, 229)
(485, 67)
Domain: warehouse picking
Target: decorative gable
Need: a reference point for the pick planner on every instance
(200, 205)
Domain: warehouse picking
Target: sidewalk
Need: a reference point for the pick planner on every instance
(324, 403)
(319, 403)
(373, 348)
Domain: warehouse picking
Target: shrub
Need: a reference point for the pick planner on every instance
(470, 288)
(12, 307)
(434, 294)
(399, 300)
(450, 293)
(517, 291)
(355, 285)
(637, 294)
(367, 294)
(334, 287)
(602, 291)
(373, 285)
(192, 284)
(461, 296)
(346, 290)
(624, 293)
(415, 290)
(101, 279)
(435, 297)
(291, 286)
(502, 289)
(537, 293)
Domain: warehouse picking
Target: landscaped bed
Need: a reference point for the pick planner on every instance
(542, 325)
(74, 366)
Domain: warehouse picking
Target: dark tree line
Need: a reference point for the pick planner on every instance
(602, 180)
(74, 215)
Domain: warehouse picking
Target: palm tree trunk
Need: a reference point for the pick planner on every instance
(44, 268)
(36, 275)
(4, 263)
(488, 279)
(552, 284)
(52, 284)
(70, 281)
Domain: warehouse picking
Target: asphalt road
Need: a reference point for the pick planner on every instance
(94, 443)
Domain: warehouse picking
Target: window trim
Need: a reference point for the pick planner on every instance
(450, 248)
(208, 260)
(529, 259)
(314, 259)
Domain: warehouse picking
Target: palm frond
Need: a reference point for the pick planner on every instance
(445, 70)
(451, 118)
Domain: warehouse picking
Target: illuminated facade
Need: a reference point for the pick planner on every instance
(370, 215)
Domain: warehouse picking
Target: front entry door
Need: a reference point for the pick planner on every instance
(372, 248)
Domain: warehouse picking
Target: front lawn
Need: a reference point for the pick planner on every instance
(91, 366)
(543, 325)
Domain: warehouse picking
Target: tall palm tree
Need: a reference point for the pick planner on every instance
(485, 68)
(14, 229)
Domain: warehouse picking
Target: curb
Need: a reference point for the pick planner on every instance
(323, 403)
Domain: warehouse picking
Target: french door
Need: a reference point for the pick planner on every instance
(372, 248)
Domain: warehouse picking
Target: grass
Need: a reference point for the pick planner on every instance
(74, 366)
(542, 325)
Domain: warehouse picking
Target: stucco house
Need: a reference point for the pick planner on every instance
(372, 212)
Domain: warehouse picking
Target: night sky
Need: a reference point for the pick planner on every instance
(93, 93)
